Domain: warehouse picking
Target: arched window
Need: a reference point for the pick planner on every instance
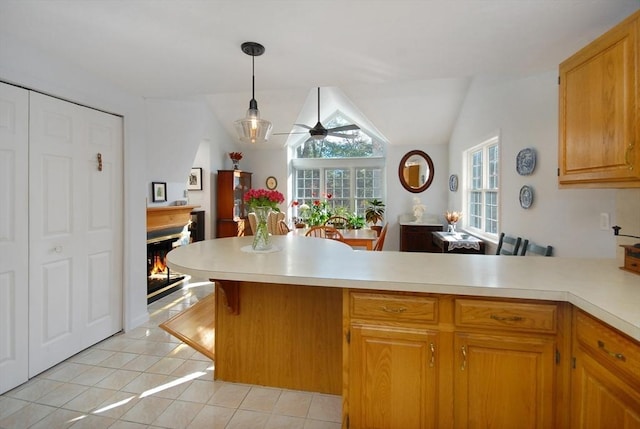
(350, 170)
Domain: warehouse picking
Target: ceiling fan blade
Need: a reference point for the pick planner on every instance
(341, 135)
(302, 126)
(351, 127)
(290, 133)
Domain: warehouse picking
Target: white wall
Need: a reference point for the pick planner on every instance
(268, 162)
(25, 66)
(525, 111)
(161, 139)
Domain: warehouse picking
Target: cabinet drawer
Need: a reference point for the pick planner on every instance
(394, 307)
(611, 346)
(506, 315)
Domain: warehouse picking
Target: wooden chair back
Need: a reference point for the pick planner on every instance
(508, 245)
(380, 243)
(529, 248)
(253, 221)
(273, 222)
(283, 228)
(324, 231)
(339, 222)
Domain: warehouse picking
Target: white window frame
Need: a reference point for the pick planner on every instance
(342, 163)
(484, 146)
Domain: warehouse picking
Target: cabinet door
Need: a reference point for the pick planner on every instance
(503, 381)
(393, 377)
(598, 141)
(600, 399)
(418, 238)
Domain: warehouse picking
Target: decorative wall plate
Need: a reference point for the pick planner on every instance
(526, 197)
(272, 183)
(526, 161)
(453, 182)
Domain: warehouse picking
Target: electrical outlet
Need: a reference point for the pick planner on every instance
(604, 221)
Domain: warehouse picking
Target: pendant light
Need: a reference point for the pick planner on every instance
(252, 129)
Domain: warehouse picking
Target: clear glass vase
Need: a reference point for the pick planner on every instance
(261, 237)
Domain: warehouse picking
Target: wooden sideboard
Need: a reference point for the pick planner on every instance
(415, 237)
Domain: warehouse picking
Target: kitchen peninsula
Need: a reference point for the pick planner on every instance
(317, 315)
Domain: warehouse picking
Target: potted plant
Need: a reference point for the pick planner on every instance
(355, 221)
(374, 213)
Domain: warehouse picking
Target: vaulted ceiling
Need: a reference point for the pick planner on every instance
(395, 63)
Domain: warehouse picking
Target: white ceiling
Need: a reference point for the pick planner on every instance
(393, 62)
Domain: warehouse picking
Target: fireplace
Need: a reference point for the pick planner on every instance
(164, 232)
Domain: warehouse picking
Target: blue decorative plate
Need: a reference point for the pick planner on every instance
(526, 197)
(526, 161)
(453, 182)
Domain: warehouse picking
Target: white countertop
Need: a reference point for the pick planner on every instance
(597, 286)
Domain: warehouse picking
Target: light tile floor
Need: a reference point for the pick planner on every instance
(146, 378)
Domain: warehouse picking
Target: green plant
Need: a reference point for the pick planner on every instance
(374, 212)
(355, 221)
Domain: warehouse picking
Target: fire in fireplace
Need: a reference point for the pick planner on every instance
(160, 279)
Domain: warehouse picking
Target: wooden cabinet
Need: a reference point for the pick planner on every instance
(231, 209)
(417, 238)
(505, 364)
(392, 363)
(606, 377)
(437, 361)
(599, 135)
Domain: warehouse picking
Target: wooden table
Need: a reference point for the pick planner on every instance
(457, 243)
(353, 237)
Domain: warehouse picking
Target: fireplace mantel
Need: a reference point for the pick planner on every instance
(166, 217)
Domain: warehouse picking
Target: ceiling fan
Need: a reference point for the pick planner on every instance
(318, 131)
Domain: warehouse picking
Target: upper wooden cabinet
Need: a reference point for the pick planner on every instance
(599, 144)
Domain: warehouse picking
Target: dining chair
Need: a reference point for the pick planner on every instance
(381, 237)
(273, 222)
(508, 245)
(337, 221)
(532, 248)
(324, 231)
(283, 228)
(253, 222)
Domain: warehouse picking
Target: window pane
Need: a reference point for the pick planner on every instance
(476, 170)
(491, 212)
(475, 209)
(493, 167)
(307, 185)
(368, 186)
(338, 184)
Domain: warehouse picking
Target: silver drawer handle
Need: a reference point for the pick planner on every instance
(57, 249)
(394, 310)
(618, 356)
(507, 319)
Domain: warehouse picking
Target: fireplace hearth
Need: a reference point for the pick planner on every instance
(165, 226)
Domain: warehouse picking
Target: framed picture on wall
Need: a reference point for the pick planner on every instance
(195, 180)
(158, 192)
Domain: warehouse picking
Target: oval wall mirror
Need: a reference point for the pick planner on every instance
(415, 171)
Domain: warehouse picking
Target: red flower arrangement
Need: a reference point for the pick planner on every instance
(263, 198)
(235, 156)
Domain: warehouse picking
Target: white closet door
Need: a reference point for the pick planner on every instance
(75, 223)
(14, 237)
